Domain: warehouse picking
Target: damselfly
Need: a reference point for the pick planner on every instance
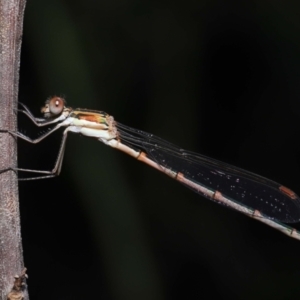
(248, 193)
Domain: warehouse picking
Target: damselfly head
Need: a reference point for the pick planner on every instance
(54, 106)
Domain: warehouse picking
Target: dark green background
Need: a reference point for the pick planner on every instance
(215, 77)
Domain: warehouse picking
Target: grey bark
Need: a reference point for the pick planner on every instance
(11, 258)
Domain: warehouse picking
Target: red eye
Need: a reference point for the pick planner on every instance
(56, 105)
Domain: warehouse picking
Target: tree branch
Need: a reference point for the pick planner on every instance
(11, 259)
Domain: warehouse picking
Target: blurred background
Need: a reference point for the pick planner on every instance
(219, 78)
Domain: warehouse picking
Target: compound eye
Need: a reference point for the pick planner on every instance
(56, 105)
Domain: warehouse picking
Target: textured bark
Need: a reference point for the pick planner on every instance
(11, 258)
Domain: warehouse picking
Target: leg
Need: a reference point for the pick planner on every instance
(36, 121)
(58, 164)
(29, 113)
(33, 141)
(39, 121)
